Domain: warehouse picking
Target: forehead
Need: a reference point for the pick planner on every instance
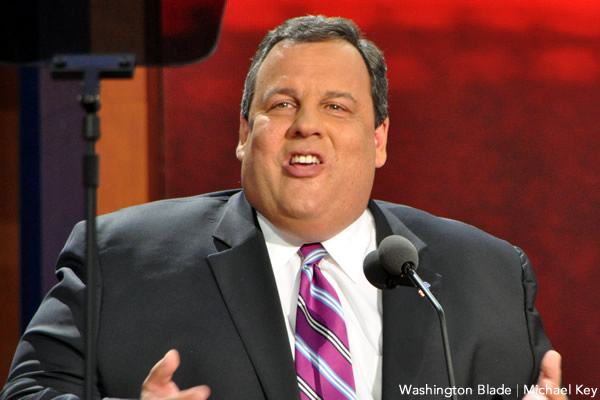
(336, 64)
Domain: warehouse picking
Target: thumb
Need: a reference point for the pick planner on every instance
(550, 379)
(162, 373)
(551, 368)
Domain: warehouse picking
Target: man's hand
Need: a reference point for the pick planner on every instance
(549, 381)
(159, 384)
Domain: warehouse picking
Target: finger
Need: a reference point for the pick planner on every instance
(195, 393)
(551, 367)
(549, 381)
(534, 395)
(162, 372)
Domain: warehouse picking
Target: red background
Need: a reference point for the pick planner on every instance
(494, 121)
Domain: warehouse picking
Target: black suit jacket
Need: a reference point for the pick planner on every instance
(194, 274)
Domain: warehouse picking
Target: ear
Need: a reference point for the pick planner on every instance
(240, 150)
(381, 133)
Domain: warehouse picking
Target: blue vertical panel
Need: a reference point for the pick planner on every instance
(62, 143)
(51, 188)
(30, 192)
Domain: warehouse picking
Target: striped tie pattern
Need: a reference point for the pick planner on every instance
(323, 362)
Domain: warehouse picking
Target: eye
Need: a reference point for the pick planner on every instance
(282, 106)
(336, 107)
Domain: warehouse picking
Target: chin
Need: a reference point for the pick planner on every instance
(303, 210)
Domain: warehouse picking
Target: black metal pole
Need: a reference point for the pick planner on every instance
(91, 182)
(418, 282)
(91, 69)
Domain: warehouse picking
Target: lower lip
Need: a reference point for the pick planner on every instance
(303, 170)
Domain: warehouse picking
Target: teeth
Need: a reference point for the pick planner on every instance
(308, 159)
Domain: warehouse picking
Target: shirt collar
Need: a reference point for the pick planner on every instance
(347, 249)
(280, 247)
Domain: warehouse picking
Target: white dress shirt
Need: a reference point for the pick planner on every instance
(343, 268)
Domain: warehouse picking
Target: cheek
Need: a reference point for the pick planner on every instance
(265, 138)
(363, 145)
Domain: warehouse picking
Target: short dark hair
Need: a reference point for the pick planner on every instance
(317, 29)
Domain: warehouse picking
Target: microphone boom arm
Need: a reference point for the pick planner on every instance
(409, 270)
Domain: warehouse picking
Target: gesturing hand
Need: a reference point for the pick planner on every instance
(549, 381)
(159, 384)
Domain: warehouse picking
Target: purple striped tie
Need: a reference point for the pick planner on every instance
(323, 362)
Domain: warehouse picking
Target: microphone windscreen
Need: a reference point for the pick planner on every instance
(395, 251)
(375, 272)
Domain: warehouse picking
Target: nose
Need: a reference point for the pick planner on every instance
(307, 122)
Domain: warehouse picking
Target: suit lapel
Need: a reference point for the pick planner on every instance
(245, 278)
(409, 322)
(243, 273)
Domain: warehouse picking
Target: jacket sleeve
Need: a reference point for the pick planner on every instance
(49, 360)
(538, 340)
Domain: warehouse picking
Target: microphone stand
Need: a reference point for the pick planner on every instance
(90, 69)
(409, 270)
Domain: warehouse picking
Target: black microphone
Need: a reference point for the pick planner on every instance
(387, 267)
(394, 264)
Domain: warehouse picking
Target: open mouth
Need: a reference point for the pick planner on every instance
(305, 159)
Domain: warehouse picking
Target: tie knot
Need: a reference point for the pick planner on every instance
(312, 253)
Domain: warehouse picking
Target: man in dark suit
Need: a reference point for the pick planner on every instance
(217, 276)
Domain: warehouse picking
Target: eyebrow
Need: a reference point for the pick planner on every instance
(331, 94)
(279, 90)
